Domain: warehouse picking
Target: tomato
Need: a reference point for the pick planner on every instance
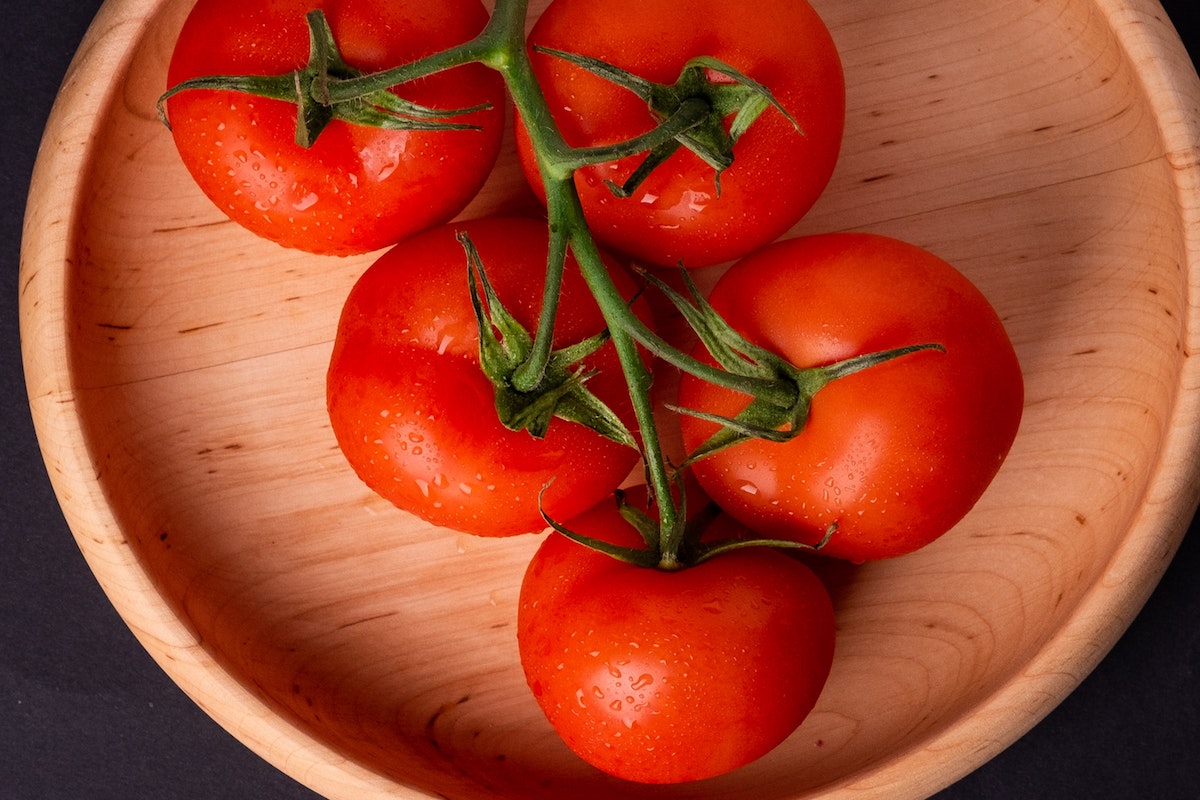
(778, 171)
(894, 455)
(358, 188)
(413, 412)
(665, 677)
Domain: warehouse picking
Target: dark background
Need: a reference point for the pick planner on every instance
(85, 713)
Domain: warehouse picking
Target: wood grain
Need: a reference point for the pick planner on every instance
(175, 364)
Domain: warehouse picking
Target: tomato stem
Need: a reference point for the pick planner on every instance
(705, 103)
(534, 381)
(481, 49)
(529, 374)
(690, 113)
(501, 45)
(507, 53)
(563, 206)
(312, 90)
(705, 552)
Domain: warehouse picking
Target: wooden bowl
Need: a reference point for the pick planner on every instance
(175, 370)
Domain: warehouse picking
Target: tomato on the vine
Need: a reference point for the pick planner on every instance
(357, 188)
(894, 455)
(665, 677)
(416, 416)
(779, 169)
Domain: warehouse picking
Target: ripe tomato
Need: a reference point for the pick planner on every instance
(665, 677)
(894, 455)
(778, 171)
(357, 188)
(416, 417)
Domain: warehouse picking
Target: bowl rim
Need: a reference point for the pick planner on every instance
(1059, 665)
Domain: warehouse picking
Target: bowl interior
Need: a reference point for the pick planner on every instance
(1015, 139)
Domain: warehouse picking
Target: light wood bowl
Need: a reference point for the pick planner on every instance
(175, 367)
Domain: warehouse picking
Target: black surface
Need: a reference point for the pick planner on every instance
(85, 713)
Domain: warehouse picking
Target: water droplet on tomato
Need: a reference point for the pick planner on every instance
(697, 201)
(749, 488)
(306, 202)
(642, 682)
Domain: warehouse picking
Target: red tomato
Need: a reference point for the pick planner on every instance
(665, 677)
(357, 188)
(894, 455)
(415, 415)
(778, 172)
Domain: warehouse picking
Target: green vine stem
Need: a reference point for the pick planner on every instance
(691, 113)
(501, 46)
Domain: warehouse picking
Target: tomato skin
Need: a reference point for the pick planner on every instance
(413, 412)
(778, 172)
(894, 455)
(666, 677)
(358, 188)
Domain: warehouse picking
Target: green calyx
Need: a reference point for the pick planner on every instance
(781, 396)
(505, 347)
(765, 416)
(309, 90)
(649, 556)
(678, 550)
(731, 94)
(685, 545)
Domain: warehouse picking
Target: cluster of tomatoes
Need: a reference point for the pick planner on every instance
(651, 674)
